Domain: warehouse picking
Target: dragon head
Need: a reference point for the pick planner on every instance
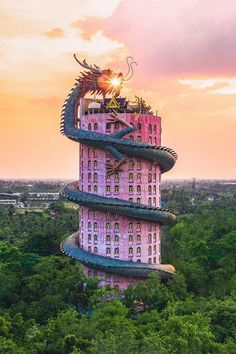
(103, 81)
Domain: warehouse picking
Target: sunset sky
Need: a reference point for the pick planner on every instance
(186, 54)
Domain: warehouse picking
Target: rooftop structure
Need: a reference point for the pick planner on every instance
(121, 161)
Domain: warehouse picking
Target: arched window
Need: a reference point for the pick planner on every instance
(130, 238)
(89, 238)
(116, 238)
(108, 250)
(95, 250)
(149, 189)
(138, 238)
(131, 189)
(150, 250)
(149, 260)
(131, 137)
(154, 189)
(95, 164)
(95, 188)
(139, 189)
(131, 177)
(82, 152)
(155, 128)
(95, 238)
(139, 165)
(82, 177)
(108, 126)
(116, 250)
(108, 189)
(139, 177)
(138, 261)
(139, 138)
(108, 226)
(108, 178)
(154, 237)
(89, 188)
(154, 201)
(154, 260)
(139, 127)
(89, 164)
(130, 250)
(149, 177)
(117, 226)
(95, 177)
(131, 200)
(82, 164)
(89, 249)
(149, 129)
(138, 226)
(139, 200)
(154, 177)
(131, 164)
(138, 250)
(95, 227)
(107, 154)
(116, 189)
(89, 126)
(155, 141)
(149, 238)
(108, 238)
(89, 177)
(150, 201)
(95, 126)
(89, 152)
(130, 226)
(116, 177)
(95, 153)
(89, 226)
(150, 140)
(154, 249)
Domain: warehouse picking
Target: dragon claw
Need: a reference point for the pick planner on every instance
(112, 168)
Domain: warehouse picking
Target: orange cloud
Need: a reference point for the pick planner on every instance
(55, 33)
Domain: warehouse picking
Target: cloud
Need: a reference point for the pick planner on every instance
(55, 33)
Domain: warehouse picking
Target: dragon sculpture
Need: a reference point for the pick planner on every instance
(95, 80)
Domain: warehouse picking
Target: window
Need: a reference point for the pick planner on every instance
(82, 177)
(82, 152)
(95, 126)
(131, 177)
(108, 189)
(131, 200)
(89, 164)
(108, 238)
(95, 164)
(89, 177)
(116, 250)
(138, 238)
(108, 250)
(82, 211)
(130, 226)
(116, 189)
(150, 201)
(89, 226)
(149, 177)
(130, 250)
(95, 226)
(131, 164)
(150, 140)
(90, 213)
(108, 126)
(154, 249)
(130, 189)
(89, 238)
(95, 177)
(139, 127)
(130, 238)
(109, 215)
(155, 128)
(155, 141)
(139, 200)
(108, 178)
(131, 137)
(138, 176)
(138, 226)
(89, 188)
(149, 238)
(139, 189)
(154, 260)
(89, 249)
(95, 250)
(139, 138)
(82, 164)
(95, 189)
(95, 153)
(107, 154)
(154, 189)
(154, 177)
(149, 250)
(116, 238)
(138, 261)
(149, 227)
(95, 238)
(138, 250)
(139, 165)
(149, 190)
(149, 166)
(89, 126)
(154, 201)
(149, 129)
(108, 226)
(149, 260)
(89, 152)
(117, 226)
(154, 237)
(116, 177)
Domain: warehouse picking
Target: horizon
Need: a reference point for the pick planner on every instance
(186, 71)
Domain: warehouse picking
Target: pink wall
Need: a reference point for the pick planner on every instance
(138, 181)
